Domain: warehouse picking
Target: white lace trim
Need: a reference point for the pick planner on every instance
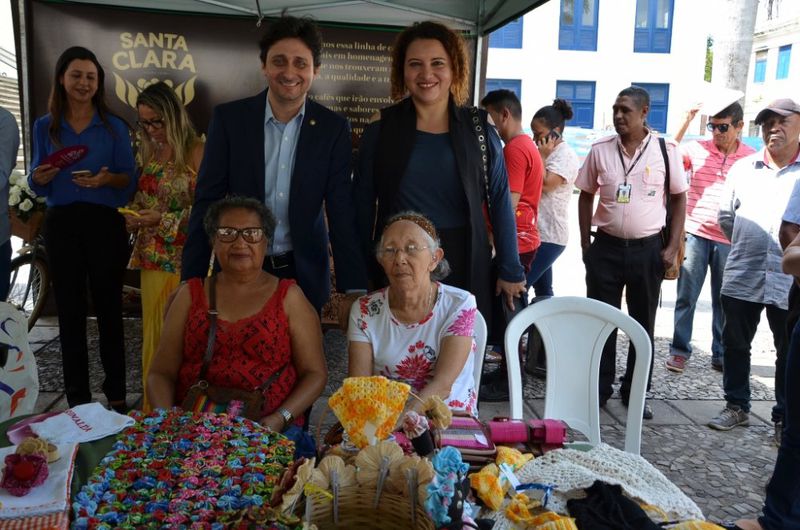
(572, 471)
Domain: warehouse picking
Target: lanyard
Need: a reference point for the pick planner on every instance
(622, 161)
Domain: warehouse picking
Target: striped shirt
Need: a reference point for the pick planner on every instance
(707, 168)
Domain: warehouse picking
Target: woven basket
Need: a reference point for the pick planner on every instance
(355, 511)
(25, 230)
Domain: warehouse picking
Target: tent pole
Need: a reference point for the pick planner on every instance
(476, 91)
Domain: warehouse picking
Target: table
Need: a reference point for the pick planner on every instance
(89, 454)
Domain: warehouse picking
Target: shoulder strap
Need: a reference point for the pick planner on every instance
(481, 134)
(667, 197)
(212, 326)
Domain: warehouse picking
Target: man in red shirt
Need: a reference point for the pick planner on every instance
(524, 166)
(525, 173)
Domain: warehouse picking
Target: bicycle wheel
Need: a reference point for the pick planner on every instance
(30, 281)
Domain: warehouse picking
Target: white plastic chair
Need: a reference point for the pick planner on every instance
(574, 331)
(479, 333)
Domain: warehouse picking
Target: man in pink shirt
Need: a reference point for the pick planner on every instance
(706, 245)
(629, 172)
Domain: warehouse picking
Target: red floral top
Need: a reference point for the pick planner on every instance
(247, 352)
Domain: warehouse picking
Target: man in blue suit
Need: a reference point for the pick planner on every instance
(293, 154)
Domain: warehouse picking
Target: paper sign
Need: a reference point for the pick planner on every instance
(713, 98)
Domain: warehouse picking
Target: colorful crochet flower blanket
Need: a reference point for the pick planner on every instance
(185, 470)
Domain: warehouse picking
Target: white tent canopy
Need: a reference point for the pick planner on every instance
(478, 17)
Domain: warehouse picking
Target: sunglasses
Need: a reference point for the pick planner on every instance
(150, 124)
(723, 127)
(228, 234)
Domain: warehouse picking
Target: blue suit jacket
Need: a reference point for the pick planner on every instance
(234, 165)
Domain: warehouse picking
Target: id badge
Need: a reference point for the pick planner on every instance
(624, 193)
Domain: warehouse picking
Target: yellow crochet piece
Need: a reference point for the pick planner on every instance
(564, 523)
(128, 211)
(369, 407)
(487, 483)
(512, 457)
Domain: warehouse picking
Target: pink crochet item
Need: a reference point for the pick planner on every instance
(23, 472)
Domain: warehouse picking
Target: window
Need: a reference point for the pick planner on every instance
(653, 27)
(659, 103)
(578, 25)
(580, 95)
(509, 36)
(784, 55)
(514, 85)
(760, 70)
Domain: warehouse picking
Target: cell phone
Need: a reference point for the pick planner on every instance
(81, 173)
(554, 134)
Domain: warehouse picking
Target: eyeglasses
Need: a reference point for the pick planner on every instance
(723, 127)
(391, 252)
(150, 124)
(228, 234)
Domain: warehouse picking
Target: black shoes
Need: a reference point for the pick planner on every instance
(647, 414)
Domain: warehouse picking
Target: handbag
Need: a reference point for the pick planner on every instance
(205, 397)
(674, 271)
(470, 436)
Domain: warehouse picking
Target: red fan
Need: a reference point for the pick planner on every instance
(67, 156)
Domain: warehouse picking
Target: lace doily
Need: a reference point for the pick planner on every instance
(572, 471)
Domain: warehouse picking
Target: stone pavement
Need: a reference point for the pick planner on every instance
(724, 472)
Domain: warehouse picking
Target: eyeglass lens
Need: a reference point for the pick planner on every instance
(228, 234)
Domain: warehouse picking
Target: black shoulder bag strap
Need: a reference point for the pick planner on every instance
(212, 326)
(667, 196)
(481, 134)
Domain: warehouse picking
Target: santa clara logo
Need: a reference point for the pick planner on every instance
(146, 58)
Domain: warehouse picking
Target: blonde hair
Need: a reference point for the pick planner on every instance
(181, 135)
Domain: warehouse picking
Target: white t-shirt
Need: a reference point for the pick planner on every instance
(408, 352)
(553, 217)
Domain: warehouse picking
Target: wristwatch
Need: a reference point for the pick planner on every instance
(287, 416)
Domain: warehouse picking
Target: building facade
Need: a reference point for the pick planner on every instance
(586, 51)
(775, 62)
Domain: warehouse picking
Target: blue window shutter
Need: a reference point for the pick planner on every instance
(659, 105)
(580, 95)
(653, 32)
(577, 28)
(514, 85)
(760, 70)
(784, 57)
(509, 36)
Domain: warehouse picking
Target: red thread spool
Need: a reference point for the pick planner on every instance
(508, 431)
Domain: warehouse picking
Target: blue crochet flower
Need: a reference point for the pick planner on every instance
(448, 460)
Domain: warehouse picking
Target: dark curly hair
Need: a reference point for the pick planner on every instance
(453, 44)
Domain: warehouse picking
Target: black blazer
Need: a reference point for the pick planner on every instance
(234, 164)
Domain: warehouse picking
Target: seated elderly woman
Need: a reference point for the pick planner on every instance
(416, 330)
(265, 325)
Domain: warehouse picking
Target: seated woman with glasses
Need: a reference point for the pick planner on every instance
(416, 330)
(266, 328)
(171, 153)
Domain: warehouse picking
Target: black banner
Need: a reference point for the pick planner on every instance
(207, 59)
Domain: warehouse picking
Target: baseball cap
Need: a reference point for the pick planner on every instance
(784, 107)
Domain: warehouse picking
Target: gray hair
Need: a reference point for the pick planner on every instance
(442, 269)
(236, 202)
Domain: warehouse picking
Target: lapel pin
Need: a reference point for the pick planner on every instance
(312, 122)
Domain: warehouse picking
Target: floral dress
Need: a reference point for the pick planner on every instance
(160, 247)
(408, 352)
